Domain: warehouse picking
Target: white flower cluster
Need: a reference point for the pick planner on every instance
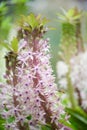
(78, 75)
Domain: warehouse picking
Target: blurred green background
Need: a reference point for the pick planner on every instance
(11, 10)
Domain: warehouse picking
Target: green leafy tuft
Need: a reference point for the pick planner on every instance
(70, 16)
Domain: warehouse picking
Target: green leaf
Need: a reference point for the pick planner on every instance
(45, 127)
(64, 11)
(66, 123)
(77, 16)
(11, 119)
(61, 16)
(78, 119)
(71, 12)
(77, 124)
(14, 44)
(32, 21)
(78, 115)
(29, 117)
(2, 127)
(2, 121)
(3, 7)
(44, 21)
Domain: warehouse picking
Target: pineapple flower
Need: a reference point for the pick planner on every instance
(31, 96)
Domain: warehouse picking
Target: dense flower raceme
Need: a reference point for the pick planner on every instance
(78, 75)
(33, 99)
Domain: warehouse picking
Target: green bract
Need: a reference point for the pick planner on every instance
(33, 25)
(13, 46)
(70, 16)
(32, 21)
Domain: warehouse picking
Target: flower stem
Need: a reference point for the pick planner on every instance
(71, 91)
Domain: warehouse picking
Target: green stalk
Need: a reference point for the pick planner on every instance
(68, 41)
(71, 91)
(68, 47)
(71, 44)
